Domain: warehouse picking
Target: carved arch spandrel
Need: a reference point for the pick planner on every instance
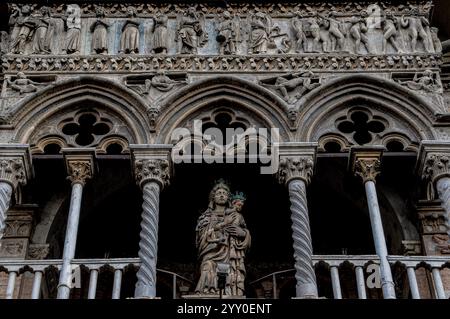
(408, 113)
(104, 94)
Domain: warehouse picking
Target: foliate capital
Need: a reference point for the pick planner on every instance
(15, 164)
(152, 164)
(79, 171)
(299, 167)
(436, 166)
(156, 170)
(366, 162)
(296, 162)
(79, 164)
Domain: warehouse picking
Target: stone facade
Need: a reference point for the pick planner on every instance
(128, 76)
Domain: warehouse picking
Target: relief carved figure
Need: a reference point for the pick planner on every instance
(261, 28)
(4, 42)
(294, 86)
(334, 28)
(22, 84)
(191, 31)
(99, 30)
(301, 42)
(436, 41)
(26, 26)
(228, 34)
(391, 27)
(129, 40)
(358, 32)
(44, 32)
(73, 25)
(417, 30)
(161, 82)
(424, 82)
(160, 34)
(222, 237)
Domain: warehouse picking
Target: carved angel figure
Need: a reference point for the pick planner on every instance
(228, 34)
(191, 31)
(22, 84)
(424, 82)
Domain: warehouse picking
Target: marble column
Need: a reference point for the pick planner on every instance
(152, 169)
(366, 163)
(434, 167)
(15, 170)
(80, 167)
(295, 171)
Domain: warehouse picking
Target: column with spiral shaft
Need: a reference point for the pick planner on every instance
(296, 172)
(152, 174)
(15, 170)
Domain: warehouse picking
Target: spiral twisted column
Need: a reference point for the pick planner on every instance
(15, 170)
(152, 172)
(296, 172)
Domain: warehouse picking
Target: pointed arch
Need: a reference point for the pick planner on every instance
(236, 93)
(82, 91)
(404, 106)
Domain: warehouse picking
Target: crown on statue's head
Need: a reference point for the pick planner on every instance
(239, 196)
(221, 183)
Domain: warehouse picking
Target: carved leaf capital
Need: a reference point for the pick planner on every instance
(367, 168)
(297, 167)
(156, 170)
(436, 166)
(79, 171)
(12, 170)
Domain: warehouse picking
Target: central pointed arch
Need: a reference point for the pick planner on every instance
(225, 91)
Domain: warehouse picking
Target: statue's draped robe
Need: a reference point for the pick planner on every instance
(215, 246)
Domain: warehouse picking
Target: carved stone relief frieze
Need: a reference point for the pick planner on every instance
(207, 30)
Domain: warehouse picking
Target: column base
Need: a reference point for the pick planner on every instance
(306, 291)
(143, 291)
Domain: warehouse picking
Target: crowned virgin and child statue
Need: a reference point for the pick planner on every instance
(222, 239)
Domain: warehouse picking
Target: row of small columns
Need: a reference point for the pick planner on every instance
(153, 168)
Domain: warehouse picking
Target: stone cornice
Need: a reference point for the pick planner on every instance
(79, 164)
(365, 162)
(296, 162)
(53, 64)
(15, 164)
(152, 163)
